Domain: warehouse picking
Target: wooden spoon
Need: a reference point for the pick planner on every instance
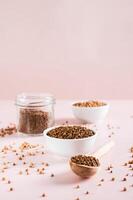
(86, 171)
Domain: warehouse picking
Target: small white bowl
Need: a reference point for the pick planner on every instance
(69, 147)
(91, 115)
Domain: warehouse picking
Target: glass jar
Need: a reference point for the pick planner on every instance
(35, 112)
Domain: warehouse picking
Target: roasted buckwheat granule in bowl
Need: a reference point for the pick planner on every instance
(90, 111)
(69, 140)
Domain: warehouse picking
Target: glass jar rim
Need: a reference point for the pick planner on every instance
(34, 99)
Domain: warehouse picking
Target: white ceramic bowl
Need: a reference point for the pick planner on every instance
(91, 115)
(69, 147)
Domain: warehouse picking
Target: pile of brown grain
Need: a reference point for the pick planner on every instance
(86, 160)
(89, 104)
(71, 132)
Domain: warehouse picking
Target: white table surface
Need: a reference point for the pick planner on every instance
(62, 185)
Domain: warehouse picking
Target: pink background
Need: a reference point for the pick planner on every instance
(71, 48)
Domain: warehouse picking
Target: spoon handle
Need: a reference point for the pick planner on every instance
(104, 149)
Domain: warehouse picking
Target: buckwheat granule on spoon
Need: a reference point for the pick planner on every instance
(86, 160)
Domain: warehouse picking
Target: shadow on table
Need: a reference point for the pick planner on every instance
(67, 178)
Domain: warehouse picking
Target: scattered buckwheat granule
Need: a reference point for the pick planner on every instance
(52, 175)
(131, 149)
(43, 195)
(32, 165)
(26, 146)
(99, 184)
(102, 180)
(124, 179)
(8, 182)
(9, 130)
(77, 187)
(20, 172)
(27, 171)
(124, 189)
(113, 179)
(40, 171)
(6, 167)
(20, 158)
(3, 178)
(125, 164)
(77, 198)
(86, 192)
(11, 189)
(31, 154)
(130, 166)
(108, 168)
(14, 164)
(14, 150)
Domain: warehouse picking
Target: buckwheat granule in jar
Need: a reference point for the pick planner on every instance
(35, 112)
